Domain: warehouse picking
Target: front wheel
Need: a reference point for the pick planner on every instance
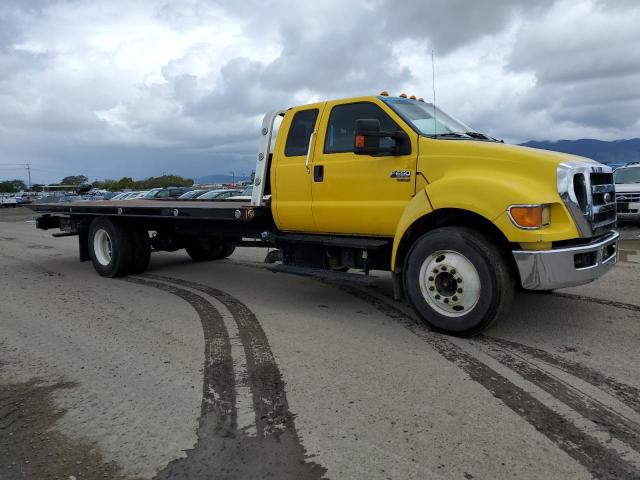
(458, 281)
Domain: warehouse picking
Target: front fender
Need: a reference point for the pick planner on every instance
(418, 207)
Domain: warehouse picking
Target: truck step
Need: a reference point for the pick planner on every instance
(325, 274)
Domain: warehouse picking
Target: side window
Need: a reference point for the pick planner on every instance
(300, 130)
(163, 194)
(341, 126)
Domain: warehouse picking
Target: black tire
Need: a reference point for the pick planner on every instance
(273, 256)
(493, 277)
(227, 251)
(141, 250)
(120, 243)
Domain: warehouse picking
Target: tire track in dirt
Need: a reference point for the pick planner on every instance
(276, 451)
(600, 301)
(627, 394)
(218, 392)
(618, 426)
(601, 461)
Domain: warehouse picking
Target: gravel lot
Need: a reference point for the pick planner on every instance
(228, 370)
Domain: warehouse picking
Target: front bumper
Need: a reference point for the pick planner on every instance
(568, 266)
(629, 211)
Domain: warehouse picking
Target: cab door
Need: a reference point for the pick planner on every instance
(359, 194)
(290, 175)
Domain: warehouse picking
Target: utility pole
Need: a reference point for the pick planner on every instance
(29, 172)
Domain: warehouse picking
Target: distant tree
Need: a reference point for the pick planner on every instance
(125, 183)
(74, 180)
(12, 186)
(128, 183)
(164, 181)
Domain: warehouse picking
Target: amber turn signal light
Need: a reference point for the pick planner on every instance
(529, 217)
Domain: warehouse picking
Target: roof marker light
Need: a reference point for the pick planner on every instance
(403, 95)
(421, 99)
(412, 97)
(384, 93)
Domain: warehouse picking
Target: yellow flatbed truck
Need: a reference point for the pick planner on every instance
(386, 183)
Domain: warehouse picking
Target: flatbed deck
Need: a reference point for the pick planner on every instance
(238, 210)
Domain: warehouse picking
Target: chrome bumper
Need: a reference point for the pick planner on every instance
(569, 266)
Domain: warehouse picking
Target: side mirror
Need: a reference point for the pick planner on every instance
(367, 139)
(367, 136)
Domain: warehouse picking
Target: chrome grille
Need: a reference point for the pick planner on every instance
(588, 192)
(628, 197)
(603, 198)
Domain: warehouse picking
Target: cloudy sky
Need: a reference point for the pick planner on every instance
(113, 88)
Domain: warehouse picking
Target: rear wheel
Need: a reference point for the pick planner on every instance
(458, 281)
(110, 247)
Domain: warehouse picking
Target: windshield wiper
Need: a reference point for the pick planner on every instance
(481, 135)
(451, 135)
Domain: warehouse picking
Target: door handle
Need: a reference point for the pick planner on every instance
(318, 173)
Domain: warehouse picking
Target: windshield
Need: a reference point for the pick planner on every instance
(426, 118)
(627, 175)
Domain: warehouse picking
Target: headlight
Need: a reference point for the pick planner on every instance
(530, 217)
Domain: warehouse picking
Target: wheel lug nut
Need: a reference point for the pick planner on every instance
(431, 289)
(459, 290)
(435, 270)
(437, 297)
(444, 268)
(459, 279)
(431, 279)
(454, 298)
(446, 300)
(453, 271)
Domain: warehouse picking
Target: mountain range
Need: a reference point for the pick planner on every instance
(616, 151)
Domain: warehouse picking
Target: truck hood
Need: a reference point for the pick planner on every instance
(439, 157)
(627, 187)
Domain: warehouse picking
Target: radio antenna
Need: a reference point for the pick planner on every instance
(433, 83)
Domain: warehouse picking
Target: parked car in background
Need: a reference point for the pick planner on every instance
(120, 196)
(130, 195)
(168, 192)
(24, 198)
(7, 201)
(96, 194)
(219, 194)
(136, 195)
(244, 195)
(627, 180)
(192, 194)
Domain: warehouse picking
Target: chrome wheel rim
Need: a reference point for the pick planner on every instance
(102, 247)
(450, 283)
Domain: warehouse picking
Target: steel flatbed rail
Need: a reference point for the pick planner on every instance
(194, 210)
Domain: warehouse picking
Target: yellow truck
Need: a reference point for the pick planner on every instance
(460, 219)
